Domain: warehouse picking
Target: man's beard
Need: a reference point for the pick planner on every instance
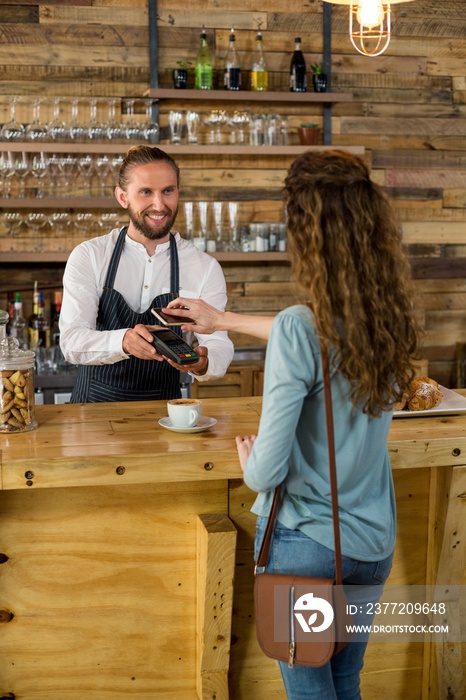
(143, 226)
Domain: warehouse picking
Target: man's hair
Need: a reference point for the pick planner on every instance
(143, 155)
(347, 259)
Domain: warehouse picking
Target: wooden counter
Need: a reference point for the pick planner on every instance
(112, 585)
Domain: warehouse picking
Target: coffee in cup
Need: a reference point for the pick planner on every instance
(184, 413)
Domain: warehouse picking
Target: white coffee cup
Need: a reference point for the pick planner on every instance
(184, 413)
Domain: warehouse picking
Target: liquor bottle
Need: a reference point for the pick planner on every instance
(55, 305)
(32, 319)
(11, 312)
(232, 74)
(18, 328)
(298, 69)
(39, 328)
(203, 67)
(259, 73)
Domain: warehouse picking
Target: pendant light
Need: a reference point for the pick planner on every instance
(369, 24)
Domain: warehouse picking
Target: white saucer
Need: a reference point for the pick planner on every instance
(204, 424)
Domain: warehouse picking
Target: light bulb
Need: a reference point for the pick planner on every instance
(370, 13)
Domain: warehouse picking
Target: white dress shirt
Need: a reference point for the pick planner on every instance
(139, 279)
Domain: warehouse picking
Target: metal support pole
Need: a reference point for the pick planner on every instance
(153, 56)
(327, 56)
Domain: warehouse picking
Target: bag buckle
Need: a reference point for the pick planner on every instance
(291, 656)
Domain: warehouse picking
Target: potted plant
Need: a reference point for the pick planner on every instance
(319, 78)
(180, 74)
(309, 134)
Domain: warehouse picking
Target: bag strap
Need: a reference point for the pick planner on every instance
(263, 557)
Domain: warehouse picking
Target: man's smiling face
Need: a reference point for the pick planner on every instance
(151, 199)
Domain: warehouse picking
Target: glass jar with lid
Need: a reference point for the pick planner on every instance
(17, 412)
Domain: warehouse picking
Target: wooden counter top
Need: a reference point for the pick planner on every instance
(116, 443)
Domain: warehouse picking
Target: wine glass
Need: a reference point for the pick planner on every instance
(239, 121)
(78, 129)
(57, 129)
(60, 222)
(5, 173)
(36, 130)
(67, 167)
(108, 220)
(12, 220)
(116, 165)
(12, 130)
(82, 222)
(96, 131)
(37, 221)
(132, 127)
(86, 169)
(53, 173)
(103, 165)
(150, 128)
(216, 119)
(39, 170)
(19, 164)
(115, 129)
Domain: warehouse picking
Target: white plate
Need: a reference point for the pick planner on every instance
(204, 424)
(452, 404)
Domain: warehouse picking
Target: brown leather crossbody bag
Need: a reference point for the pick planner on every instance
(299, 619)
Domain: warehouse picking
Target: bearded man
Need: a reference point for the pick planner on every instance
(111, 283)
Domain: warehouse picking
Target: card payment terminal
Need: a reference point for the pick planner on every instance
(170, 344)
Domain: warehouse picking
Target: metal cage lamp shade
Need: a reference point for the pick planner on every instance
(369, 24)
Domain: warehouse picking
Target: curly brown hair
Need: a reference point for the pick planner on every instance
(347, 259)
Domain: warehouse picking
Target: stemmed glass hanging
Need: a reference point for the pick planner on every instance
(37, 220)
(102, 166)
(39, 171)
(215, 120)
(67, 167)
(78, 129)
(12, 130)
(5, 173)
(36, 130)
(132, 127)
(60, 222)
(13, 220)
(19, 167)
(86, 170)
(115, 129)
(57, 129)
(96, 131)
(150, 128)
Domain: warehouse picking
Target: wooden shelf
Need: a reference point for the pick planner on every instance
(183, 149)
(59, 203)
(249, 96)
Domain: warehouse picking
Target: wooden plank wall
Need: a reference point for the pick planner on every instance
(408, 112)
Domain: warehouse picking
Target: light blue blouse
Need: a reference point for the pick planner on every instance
(291, 447)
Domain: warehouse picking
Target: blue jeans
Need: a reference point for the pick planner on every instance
(292, 552)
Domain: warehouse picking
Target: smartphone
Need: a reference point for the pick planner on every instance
(168, 320)
(170, 344)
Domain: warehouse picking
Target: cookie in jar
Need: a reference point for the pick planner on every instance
(17, 411)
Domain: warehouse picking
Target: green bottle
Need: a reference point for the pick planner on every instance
(203, 69)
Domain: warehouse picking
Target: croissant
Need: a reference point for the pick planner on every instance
(402, 403)
(426, 393)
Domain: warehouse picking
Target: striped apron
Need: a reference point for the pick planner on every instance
(132, 379)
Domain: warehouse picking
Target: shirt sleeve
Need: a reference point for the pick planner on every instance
(80, 342)
(219, 346)
(290, 371)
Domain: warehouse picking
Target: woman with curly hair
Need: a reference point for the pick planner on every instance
(354, 282)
